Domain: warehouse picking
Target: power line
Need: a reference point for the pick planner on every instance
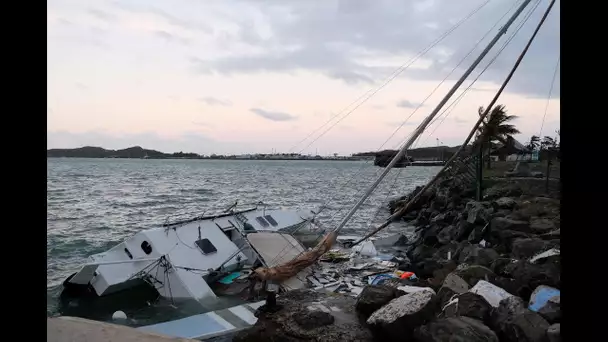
(540, 134)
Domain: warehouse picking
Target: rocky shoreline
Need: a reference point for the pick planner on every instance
(486, 271)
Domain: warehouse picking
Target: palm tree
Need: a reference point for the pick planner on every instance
(495, 127)
(533, 144)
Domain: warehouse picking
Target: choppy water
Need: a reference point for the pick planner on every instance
(93, 204)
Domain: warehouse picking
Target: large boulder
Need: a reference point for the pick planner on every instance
(306, 315)
(479, 212)
(470, 305)
(421, 252)
(476, 255)
(505, 223)
(397, 320)
(502, 240)
(455, 329)
(490, 292)
(529, 276)
(542, 225)
(452, 285)
(527, 248)
(373, 297)
(473, 273)
(504, 203)
(514, 322)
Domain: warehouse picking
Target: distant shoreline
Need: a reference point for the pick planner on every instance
(424, 156)
(218, 158)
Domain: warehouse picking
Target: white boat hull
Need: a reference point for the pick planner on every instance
(178, 259)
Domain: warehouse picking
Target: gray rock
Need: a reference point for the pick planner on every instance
(542, 225)
(455, 329)
(505, 203)
(477, 234)
(398, 319)
(421, 252)
(335, 320)
(504, 223)
(527, 248)
(474, 273)
(554, 333)
(373, 297)
(452, 285)
(479, 212)
(470, 305)
(476, 255)
(529, 276)
(514, 322)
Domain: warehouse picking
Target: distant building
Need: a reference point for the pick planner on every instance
(513, 151)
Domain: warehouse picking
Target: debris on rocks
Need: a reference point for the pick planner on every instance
(546, 301)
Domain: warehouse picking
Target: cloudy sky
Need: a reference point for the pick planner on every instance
(243, 76)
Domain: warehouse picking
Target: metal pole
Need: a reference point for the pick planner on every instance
(405, 208)
(428, 119)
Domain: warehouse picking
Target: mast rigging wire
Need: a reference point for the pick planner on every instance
(395, 73)
(471, 133)
(549, 96)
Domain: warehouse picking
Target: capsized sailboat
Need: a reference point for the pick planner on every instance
(181, 260)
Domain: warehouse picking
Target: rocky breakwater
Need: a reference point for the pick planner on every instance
(486, 271)
(507, 245)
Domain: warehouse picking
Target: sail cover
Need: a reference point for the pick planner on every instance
(277, 249)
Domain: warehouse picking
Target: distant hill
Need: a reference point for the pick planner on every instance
(98, 152)
(421, 153)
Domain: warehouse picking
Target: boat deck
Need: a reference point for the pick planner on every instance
(209, 324)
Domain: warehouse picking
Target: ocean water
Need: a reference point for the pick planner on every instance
(93, 204)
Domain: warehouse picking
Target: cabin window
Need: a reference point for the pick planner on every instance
(146, 247)
(271, 220)
(206, 246)
(261, 221)
(128, 253)
(228, 233)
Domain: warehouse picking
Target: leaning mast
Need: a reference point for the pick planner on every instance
(427, 120)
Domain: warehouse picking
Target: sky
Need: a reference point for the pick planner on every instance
(255, 76)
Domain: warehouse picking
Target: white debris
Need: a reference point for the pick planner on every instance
(365, 248)
(544, 255)
(490, 292)
(412, 289)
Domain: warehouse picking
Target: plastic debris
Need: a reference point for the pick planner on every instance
(380, 278)
(541, 296)
(366, 248)
(227, 280)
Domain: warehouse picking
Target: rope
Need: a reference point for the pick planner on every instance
(540, 134)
